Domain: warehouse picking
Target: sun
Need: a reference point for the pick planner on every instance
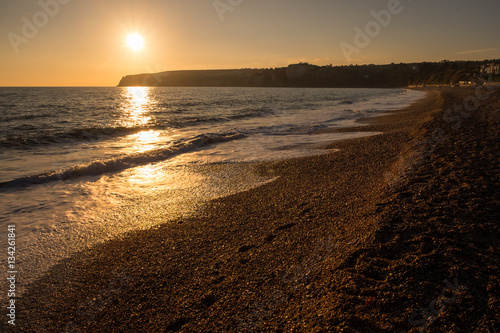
(135, 41)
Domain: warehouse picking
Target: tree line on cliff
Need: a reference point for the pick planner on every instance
(307, 75)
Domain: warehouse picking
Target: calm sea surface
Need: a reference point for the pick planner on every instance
(83, 165)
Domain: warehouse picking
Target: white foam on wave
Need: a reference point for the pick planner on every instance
(123, 162)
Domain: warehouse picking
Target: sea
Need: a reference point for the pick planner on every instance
(80, 166)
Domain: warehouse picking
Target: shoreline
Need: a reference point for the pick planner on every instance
(268, 258)
(96, 220)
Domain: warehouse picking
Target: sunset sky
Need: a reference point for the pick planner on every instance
(84, 42)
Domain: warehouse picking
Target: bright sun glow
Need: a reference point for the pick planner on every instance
(135, 41)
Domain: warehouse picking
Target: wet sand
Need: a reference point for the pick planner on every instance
(394, 232)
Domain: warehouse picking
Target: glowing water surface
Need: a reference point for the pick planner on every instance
(152, 156)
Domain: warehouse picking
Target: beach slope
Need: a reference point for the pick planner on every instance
(394, 232)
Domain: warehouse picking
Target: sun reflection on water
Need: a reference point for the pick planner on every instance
(136, 106)
(145, 141)
(145, 175)
(147, 136)
(149, 178)
(136, 102)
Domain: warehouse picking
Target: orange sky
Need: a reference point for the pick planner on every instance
(83, 42)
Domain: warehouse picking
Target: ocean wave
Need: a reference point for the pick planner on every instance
(346, 102)
(34, 136)
(8, 118)
(99, 167)
(78, 134)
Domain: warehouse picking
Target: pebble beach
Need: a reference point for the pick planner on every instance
(395, 232)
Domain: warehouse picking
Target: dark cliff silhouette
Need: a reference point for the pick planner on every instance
(307, 75)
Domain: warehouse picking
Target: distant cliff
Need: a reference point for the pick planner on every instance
(307, 75)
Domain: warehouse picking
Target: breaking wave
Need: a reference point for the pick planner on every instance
(119, 163)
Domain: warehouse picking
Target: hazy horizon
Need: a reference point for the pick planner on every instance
(84, 43)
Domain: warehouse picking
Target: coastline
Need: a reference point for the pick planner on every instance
(307, 251)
